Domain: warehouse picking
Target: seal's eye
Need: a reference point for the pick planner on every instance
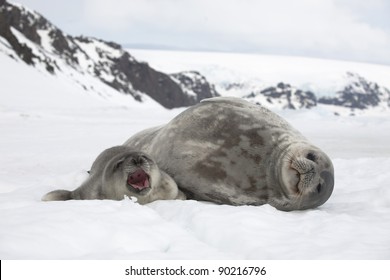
(311, 156)
(118, 164)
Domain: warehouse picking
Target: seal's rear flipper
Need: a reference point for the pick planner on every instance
(57, 195)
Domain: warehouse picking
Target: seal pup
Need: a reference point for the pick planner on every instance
(120, 171)
(230, 151)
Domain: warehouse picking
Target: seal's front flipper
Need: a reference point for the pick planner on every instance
(181, 196)
(57, 195)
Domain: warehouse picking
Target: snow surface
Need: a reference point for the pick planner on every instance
(52, 130)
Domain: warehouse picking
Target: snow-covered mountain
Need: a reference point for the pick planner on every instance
(284, 96)
(195, 84)
(359, 94)
(26, 35)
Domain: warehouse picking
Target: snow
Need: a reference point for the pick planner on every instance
(46, 40)
(52, 130)
(96, 50)
(6, 45)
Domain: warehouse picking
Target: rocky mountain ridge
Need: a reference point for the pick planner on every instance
(357, 95)
(284, 95)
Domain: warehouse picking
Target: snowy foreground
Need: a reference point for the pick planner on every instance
(52, 131)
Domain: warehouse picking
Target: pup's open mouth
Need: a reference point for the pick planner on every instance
(138, 180)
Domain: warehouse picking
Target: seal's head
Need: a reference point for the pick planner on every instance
(307, 177)
(135, 172)
(119, 172)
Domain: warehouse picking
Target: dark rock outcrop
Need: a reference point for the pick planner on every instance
(195, 84)
(24, 52)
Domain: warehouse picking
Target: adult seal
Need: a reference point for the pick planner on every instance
(230, 151)
(121, 171)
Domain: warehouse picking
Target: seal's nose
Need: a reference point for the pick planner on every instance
(323, 191)
(328, 182)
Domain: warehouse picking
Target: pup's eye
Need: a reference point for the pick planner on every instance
(118, 164)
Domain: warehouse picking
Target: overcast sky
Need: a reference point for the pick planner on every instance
(339, 29)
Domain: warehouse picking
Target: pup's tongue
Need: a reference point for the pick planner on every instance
(138, 180)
